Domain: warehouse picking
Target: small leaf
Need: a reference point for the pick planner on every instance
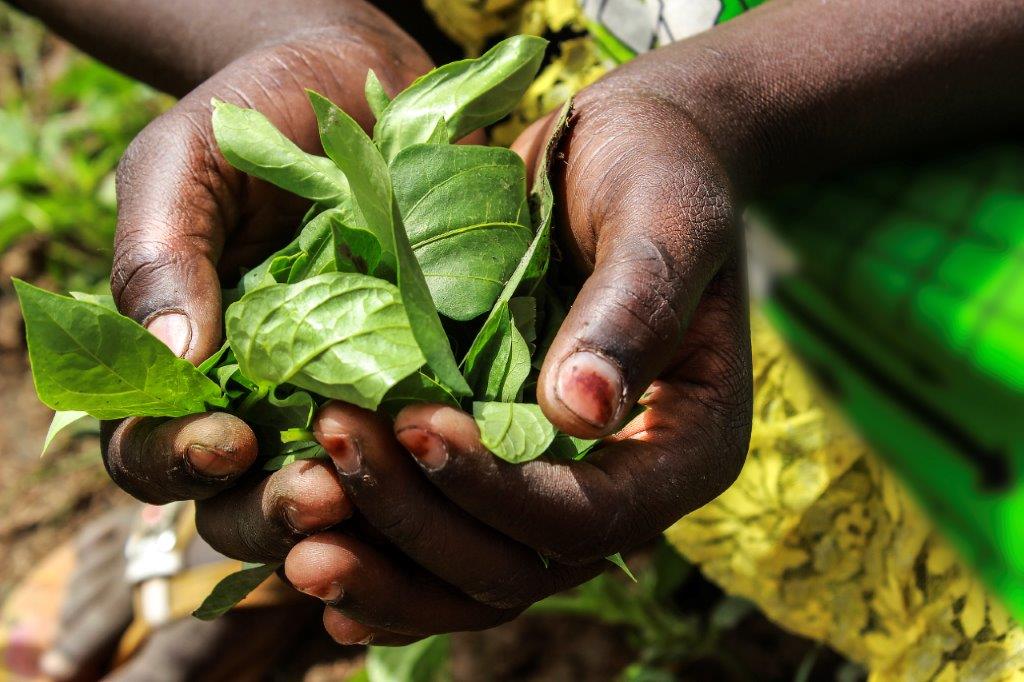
(359, 250)
(515, 432)
(469, 95)
(209, 363)
(233, 589)
(375, 95)
(253, 145)
(621, 563)
(341, 335)
(498, 366)
(423, 661)
(310, 451)
(292, 411)
(88, 358)
(570, 447)
(105, 300)
(354, 152)
(418, 387)
(61, 421)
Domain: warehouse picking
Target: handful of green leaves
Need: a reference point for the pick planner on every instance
(416, 251)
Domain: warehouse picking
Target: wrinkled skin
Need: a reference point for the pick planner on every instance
(658, 159)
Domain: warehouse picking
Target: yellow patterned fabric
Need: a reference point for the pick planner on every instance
(816, 530)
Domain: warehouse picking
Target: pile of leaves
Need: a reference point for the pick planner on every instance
(418, 276)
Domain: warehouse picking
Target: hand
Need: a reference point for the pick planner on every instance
(662, 317)
(187, 220)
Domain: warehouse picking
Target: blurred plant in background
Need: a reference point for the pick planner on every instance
(65, 120)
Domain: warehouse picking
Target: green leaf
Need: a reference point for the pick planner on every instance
(354, 152)
(423, 661)
(468, 220)
(498, 367)
(418, 387)
(61, 421)
(253, 145)
(515, 432)
(621, 563)
(292, 411)
(341, 335)
(533, 263)
(570, 447)
(375, 95)
(308, 451)
(105, 300)
(88, 358)
(233, 589)
(469, 95)
(209, 363)
(311, 253)
(359, 250)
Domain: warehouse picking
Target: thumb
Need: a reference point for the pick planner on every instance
(657, 219)
(171, 196)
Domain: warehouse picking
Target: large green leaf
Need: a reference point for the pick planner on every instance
(88, 358)
(466, 95)
(253, 145)
(354, 152)
(468, 220)
(342, 335)
(515, 432)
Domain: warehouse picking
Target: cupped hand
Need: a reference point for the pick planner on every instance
(187, 223)
(647, 211)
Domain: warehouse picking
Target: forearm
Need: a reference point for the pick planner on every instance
(177, 45)
(800, 87)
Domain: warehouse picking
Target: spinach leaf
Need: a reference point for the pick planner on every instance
(467, 95)
(61, 421)
(88, 358)
(497, 369)
(209, 363)
(570, 447)
(253, 145)
(515, 432)
(621, 563)
(375, 95)
(359, 250)
(342, 335)
(423, 661)
(468, 221)
(105, 300)
(233, 589)
(354, 152)
(311, 253)
(418, 387)
(304, 452)
(292, 411)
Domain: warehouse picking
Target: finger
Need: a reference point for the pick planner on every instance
(379, 593)
(653, 210)
(685, 449)
(263, 517)
(389, 491)
(348, 632)
(189, 458)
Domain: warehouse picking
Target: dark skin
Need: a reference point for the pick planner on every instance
(661, 155)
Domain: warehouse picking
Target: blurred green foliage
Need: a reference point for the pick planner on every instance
(65, 120)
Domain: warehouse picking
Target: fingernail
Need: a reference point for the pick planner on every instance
(211, 462)
(343, 449)
(174, 330)
(590, 387)
(428, 448)
(304, 521)
(329, 594)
